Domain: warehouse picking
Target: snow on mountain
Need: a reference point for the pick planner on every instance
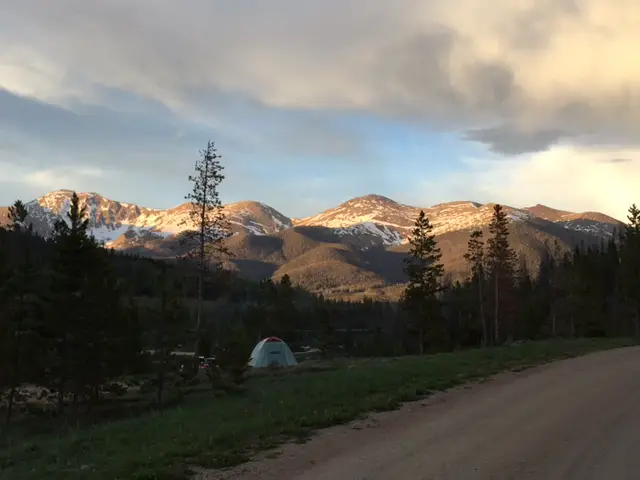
(374, 219)
(593, 223)
(110, 220)
(393, 221)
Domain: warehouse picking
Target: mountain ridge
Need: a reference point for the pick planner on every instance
(354, 248)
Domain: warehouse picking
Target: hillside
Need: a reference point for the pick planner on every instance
(351, 250)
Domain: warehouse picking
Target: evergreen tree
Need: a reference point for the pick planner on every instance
(284, 310)
(327, 340)
(206, 241)
(68, 305)
(421, 294)
(475, 256)
(18, 217)
(22, 306)
(168, 330)
(630, 262)
(90, 332)
(501, 266)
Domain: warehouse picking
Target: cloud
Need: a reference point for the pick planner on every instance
(565, 177)
(616, 160)
(65, 176)
(523, 70)
(512, 141)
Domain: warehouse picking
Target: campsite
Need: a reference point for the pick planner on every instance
(277, 405)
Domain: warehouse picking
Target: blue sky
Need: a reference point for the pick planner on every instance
(313, 104)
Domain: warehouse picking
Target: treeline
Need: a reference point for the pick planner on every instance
(68, 325)
(592, 290)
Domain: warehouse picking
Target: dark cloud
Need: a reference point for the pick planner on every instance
(617, 160)
(508, 140)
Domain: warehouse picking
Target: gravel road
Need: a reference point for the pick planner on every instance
(574, 419)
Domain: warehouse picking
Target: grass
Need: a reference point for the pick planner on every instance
(220, 432)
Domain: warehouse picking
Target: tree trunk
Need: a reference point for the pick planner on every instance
(421, 340)
(553, 321)
(60, 402)
(496, 319)
(203, 224)
(12, 396)
(160, 389)
(572, 332)
(485, 327)
(636, 323)
(198, 313)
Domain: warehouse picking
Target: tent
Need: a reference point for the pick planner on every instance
(272, 351)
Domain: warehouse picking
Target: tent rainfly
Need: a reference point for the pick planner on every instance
(272, 351)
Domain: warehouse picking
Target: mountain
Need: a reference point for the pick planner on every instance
(121, 224)
(348, 251)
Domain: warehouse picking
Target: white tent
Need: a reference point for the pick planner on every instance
(272, 351)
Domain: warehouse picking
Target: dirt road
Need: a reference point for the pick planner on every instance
(575, 419)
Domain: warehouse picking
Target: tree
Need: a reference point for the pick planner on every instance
(18, 217)
(206, 241)
(425, 273)
(630, 265)
(475, 256)
(90, 332)
(501, 261)
(71, 242)
(284, 310)
(21, 314)
(167, 333)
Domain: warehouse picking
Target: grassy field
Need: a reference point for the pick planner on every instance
(219, 432)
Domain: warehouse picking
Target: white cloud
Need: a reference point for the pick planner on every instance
(70, 176)
(567, 66)
(565, 177)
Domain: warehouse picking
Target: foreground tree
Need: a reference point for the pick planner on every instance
(206, 242)
(475, 256)
(21, 315)
(71, 246)
(90, 333)
(630, 266)
(501, 260)
(421, 294)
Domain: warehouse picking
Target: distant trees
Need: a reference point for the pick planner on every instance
(205, 242)
(424, 272)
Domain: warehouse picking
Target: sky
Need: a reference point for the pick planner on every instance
(313, 103)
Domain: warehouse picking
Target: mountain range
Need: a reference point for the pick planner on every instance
(349, 251)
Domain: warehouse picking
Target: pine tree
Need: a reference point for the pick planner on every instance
(22, 314)
(425, 273)
(501, 266)
(475, 256)
(207, 241)
(18, 217)
(168, 330)
(630, 265)
(284, 310)
(71, 320)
